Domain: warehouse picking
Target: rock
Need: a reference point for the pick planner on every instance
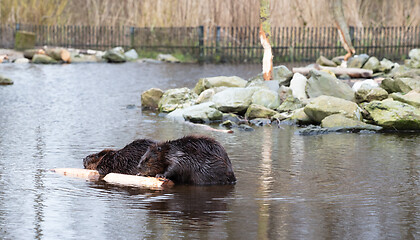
(131, 55)
(205, 96)
(43, 59)
(342, 123)
(367, 94)
(392, 114)
(412, 98)
(24, 40)
(406, 85)
(316, 130)
(222, 81)
(228, 124)
(386, 65)
(167, 58)
(323, 61)
(321, 83)
(202, 113)
(246, 128)
(344, 77)
(21, 61)
(232, 117)
(357, 61)
(83, 58)
(280, 73)
(115, 55)
(301, 117)
(323, 106)
(5, 81)
(234, 100)
(312, 130)
(176, 98)
(176, 115)
(290, 104)
(260, 122)
(372, 64)
(338, 60)
(284, 92)
(368, 84)
(412, 63)
(150, 98)
(414, 54)
(389, 85)
(298, 86)
(29, 53)
(258, 111)
(266, 98)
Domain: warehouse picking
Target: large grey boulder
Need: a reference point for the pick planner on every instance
(366, 94)
(131, 55)
(323, 61)
(43, 59)
(372, 64)
(389, 85)
(221, 81)
(412, 98)
(206, 95)
(234, 100)
(322, 83)
(406, 85)
(290, 104)
(386, 65)
(323, 106)
(115, 55)
(392, 114)
(357, 61)
(258, 111)
(266, 98)
(300, 117)
(339, 121)
(150, 98)
(298, 86)
(202, 113)
(176, 98)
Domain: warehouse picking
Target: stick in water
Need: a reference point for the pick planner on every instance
(138, 181)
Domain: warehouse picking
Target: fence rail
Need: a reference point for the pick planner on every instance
(226, 44)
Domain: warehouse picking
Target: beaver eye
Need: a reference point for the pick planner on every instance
(159, 149)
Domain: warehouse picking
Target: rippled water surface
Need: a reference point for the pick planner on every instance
(335, 186)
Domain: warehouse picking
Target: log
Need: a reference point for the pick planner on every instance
(78, 173)
(352, 72)
(138, 181)
(59, 54)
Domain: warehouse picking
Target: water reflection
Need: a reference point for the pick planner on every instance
(338, 186)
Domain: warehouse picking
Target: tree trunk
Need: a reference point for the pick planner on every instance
(342, 27)
(265, 33)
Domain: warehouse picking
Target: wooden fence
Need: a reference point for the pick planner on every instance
(226, 44)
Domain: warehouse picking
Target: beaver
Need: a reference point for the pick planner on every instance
(123, 161)
(195, 160)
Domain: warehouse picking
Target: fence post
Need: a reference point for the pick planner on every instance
(132, 37)
(201, 43)
(17, 27)
(218, 41)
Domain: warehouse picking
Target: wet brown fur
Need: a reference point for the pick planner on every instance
(196, 160)
(123, 161)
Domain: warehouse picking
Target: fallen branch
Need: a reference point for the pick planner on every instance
(352, 72)
(138, 181)
(78, 172)
(209, 128)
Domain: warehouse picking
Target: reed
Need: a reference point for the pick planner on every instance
(173, 13)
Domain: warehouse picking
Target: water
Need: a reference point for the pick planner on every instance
(335, 186)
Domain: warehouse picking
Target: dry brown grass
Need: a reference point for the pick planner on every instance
(165, 13)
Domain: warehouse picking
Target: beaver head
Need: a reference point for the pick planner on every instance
(93, 160)
(152, 162)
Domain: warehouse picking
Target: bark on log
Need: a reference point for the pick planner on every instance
(59, 54)
(352, 72)
(78, 172)
(138, 181)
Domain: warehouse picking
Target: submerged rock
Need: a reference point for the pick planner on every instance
(176, 98)
(392, 114)
(322, 83)
(235, 100)
(5, 81)
(221, 81)
(260, 122)
(341, 122)
(150, 98)
(323, 106)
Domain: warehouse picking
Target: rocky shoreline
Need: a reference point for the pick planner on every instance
(320, 102)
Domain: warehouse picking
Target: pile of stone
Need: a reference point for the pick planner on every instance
(320, 99)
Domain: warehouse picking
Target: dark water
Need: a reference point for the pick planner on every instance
(335, 186)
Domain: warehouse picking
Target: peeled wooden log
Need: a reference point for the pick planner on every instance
(138, 181)
(59, 54)
(78, 172)
(352, 72)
